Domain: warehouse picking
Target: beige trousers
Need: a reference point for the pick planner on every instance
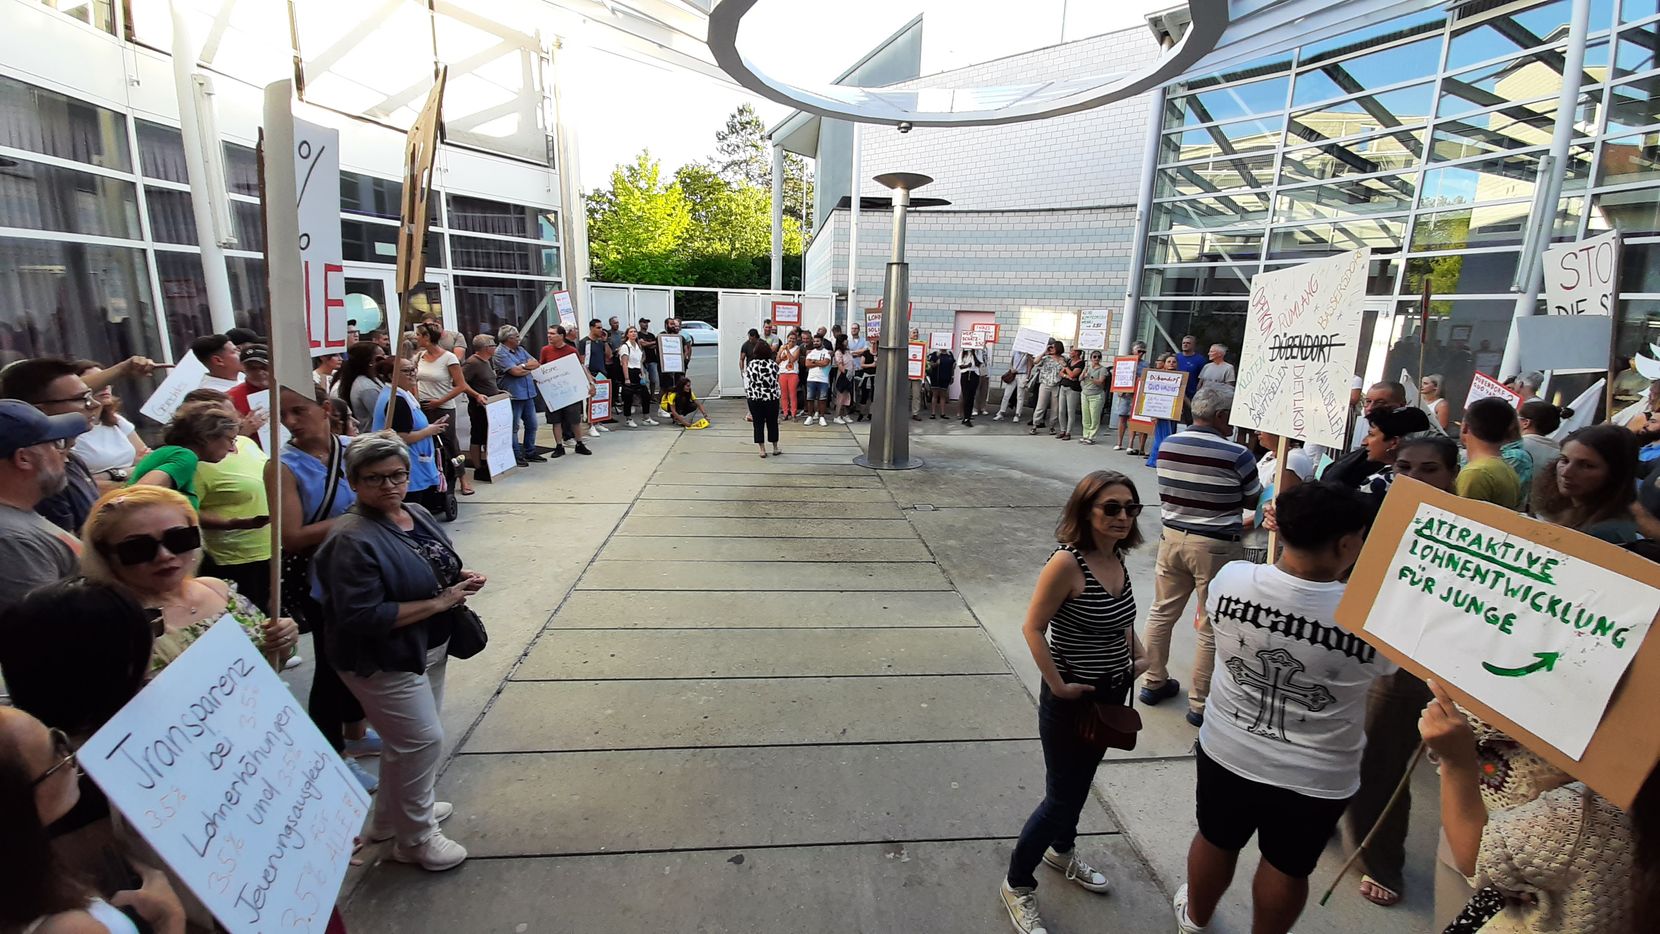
(1187, 562)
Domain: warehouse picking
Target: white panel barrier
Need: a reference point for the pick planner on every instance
(606, 302)
(656, 304)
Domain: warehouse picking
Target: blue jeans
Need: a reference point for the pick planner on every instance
(1069, 769)
(524, 411)
(652, 377)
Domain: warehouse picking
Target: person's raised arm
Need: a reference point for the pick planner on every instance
(1058, 582)
(130, 367)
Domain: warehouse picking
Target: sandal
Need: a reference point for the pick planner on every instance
(1377, 893)
(763, 455)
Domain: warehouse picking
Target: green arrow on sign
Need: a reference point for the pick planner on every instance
(1546, 661)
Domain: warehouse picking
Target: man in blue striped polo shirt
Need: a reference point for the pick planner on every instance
(1205, 484)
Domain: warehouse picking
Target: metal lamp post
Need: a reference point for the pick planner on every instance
(890, 428)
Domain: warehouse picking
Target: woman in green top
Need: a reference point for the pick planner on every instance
(200, 432)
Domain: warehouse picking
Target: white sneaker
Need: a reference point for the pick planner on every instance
(1183, 924)
(998, 417)
(294, 661)
(437, 854)
(1023, 909)
(631, 424)
(1087, 876)
(651, 421)
(441, 811)
(844, 420)
(822, 423)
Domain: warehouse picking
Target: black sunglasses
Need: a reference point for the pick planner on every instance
(65, 754)
(142, 549)
(1112, 508)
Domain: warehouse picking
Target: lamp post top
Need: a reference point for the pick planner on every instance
(904, 181)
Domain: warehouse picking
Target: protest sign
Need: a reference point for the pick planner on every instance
(973, 340)
(1163, 393)
(916, 354)
(1093, 324)
(261, 402)
(1529, 625)
(786, 313)
(599, 405)
(1580, 277)
(988, 329)
(567, 311)
(1124, 373)
(316, 163)
(671, 351)
(220, 770)
(1031, 341)
(1486, 387)
(939, 340)
(1564, 343)
(184, 378)
(1302, 335)
(873, 322)
(561, 383)
(498, 437)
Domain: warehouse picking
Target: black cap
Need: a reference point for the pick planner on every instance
(258, 354)
(240, 336)
(1399, 423)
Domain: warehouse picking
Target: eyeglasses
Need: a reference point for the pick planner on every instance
(142, 549)
(395, 478)
(66, 757)
(1112, 508)
(86, 400)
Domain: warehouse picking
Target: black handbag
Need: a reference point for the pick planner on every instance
(467, 635)
(296, 565)
(1103, 725)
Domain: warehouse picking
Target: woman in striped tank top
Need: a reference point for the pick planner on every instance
(1083, 602)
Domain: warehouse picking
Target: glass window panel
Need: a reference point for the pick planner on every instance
(1221, 211)
(1225, 281)
(1635, 213)
(1487, 180)
(1220, 174)
(184, 296)
(1520, 126)
(1630, 159)
(1388, 153)
(1417, 24)
(78, 300)
(1260, 68)
(248, 226)
(1239, 100)
(171, 220)
(507, 256)
(1634, 10)
(44, 197)
(1381, 233)
(161, 153)
(1499, 225)
(480, 215)
(1633, 105)
(365, 242)
(1224, 138)
(241, 170)
(1640, 267)
(1212, 321)
(1204, 247)
(1341, 78)
(1533, 76)
(1385, 194)
(1461, 273)
(100, 14)
(484, 305)
(52, 124)
(1523, 29)
(1638, 327)
(1362, 115)
(1636, 52)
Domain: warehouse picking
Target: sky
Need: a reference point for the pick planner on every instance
(623, 106)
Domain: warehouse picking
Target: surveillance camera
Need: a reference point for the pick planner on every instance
(905, 127)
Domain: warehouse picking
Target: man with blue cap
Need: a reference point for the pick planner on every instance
(34, 452)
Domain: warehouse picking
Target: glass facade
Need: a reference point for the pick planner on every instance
(1420, 138)
(98, 254)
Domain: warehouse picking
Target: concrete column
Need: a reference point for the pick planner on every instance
(777, 217)
(854, 312)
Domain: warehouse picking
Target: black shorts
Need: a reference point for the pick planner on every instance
(1291, 828)
(567, 418)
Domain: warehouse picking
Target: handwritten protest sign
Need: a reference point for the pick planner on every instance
(1093, 324)
(873, 322)
(786, 313)
(498, 436)
(972, 340)
(1531, 625)
(184, 378)
(1580, 278)
(317, 179)
(1486, 387)
(567, 311)
(221, 771)
(1031, 341)
(1163, 392)
(1302, 335)
(260, 402)
(563, 382)
(671, 351)
(915, 355)
(989, 329)
(599, 406)
(1124, 373)
(939, 340)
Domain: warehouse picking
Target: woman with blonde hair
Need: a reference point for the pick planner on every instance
(1436, 407)
(147, 540)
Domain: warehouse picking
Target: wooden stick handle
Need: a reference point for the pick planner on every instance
(1394, 799)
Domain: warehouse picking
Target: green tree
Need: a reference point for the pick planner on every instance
(637, 228)
(744, 157)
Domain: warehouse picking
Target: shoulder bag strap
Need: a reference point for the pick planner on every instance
(331, 485)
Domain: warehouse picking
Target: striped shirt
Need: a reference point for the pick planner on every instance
(1205, 482)
(1089, 634)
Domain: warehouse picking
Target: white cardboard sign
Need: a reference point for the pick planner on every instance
(1580, 278)
(498, 438)
(1093, 324)
(220, 769)
(317, 179)
(939, 340)
(567, 311)
(261, 402)
(563, 382)
(182, 380)
(1160, 391)
(973, 340)
(1031, 341)
(1302, 335)
(1537, 634)
(671, 353)
(1486, 387)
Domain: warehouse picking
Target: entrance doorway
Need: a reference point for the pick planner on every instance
(372, 297)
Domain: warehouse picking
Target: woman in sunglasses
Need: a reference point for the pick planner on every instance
(39, 784)
(1085, 606)
(147, 540)
(391, 582)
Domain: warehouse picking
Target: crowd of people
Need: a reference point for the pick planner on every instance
(1524, 846)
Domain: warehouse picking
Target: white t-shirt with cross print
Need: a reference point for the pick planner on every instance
(1287, 704)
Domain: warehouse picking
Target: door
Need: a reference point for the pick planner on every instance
(964, 321)
(370, 295)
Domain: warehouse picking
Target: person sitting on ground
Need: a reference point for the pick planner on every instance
(33, 457)
(1285, 776)
(1591, 486)
(202, 430)
(1486, 477)
(39, 785)
(148, 540)
(112, 446)
(684, 404)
